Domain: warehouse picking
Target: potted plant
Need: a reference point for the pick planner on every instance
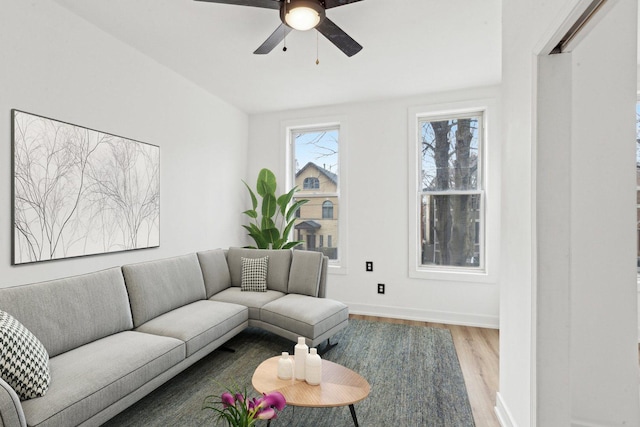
(271, 226)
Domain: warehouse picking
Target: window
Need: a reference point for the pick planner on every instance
(311, 183)
(327, 210)
(450, 191)
(315, 161)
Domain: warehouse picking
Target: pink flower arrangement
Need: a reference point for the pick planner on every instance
(240, 411)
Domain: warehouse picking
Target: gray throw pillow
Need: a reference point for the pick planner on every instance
(254, 274)
(306, 268)
(24, 362)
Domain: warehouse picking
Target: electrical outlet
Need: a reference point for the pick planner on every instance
(369, 266)
(381, 288)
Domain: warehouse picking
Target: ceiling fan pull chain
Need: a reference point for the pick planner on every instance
(284, 39)
(317, 49)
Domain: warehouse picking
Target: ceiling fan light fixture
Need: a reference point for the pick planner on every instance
(302, 15)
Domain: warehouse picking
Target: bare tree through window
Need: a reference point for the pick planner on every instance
(451, 191)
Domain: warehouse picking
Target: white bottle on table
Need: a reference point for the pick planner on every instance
(285, 367)
(300, 352)
(313, 368)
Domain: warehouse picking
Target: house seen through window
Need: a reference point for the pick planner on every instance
(316, 174)
(451, 191)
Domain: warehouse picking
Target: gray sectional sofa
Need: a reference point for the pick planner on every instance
(113, 336)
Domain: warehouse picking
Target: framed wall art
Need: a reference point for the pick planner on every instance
(78, 191)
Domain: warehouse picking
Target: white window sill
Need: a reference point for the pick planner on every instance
(337, 269)
(454, 275)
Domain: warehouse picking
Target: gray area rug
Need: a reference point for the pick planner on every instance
(413, 371)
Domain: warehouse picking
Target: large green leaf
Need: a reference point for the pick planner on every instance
(272, 234)
(287, 229)
(291, 245)
(269, 204)
(284, 200)
(278, 244)
(254, 200)
(266, 183)
(263, 189)
(267, 223)
(257, 235)
(292, 210)
(251, 213)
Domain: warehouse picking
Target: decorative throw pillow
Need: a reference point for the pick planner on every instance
(254, 274)
(24, 362)
(306, 269)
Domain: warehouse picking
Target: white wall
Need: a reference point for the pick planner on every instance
(57, 65)
(523, 24)
(568, 352)
(376, 139)
(603, 304)
(638, 297)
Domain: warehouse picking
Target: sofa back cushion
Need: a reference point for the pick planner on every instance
(157, 287)
(67, 313)
(277, 270)
(215, 271)
(306, 269)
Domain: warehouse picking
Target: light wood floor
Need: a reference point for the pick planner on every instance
(478, 354)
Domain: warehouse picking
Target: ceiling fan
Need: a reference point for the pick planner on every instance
(302, 15)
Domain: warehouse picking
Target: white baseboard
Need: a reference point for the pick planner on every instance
(506, 419)
(502, 412)
(450, 318)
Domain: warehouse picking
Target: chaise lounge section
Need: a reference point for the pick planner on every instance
(115, 335)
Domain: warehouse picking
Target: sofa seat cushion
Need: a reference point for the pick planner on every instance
(253, 300)
(198, 323)
(88, 379)
(304, 315)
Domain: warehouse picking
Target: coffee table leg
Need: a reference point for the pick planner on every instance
(353, 415)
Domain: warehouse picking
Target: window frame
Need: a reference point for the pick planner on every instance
(338, 266)
(328, 208)
(314, 184)
(489, 200)
(478, 191)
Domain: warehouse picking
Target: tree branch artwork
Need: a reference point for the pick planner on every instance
(81, 192)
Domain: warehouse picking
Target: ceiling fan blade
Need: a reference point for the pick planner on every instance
(272, 41)
(338, 37)
(328, 4)
(267, 4)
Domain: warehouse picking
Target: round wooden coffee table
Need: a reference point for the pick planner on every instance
(340, 386)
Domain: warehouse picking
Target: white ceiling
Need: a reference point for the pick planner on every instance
(411, 47)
